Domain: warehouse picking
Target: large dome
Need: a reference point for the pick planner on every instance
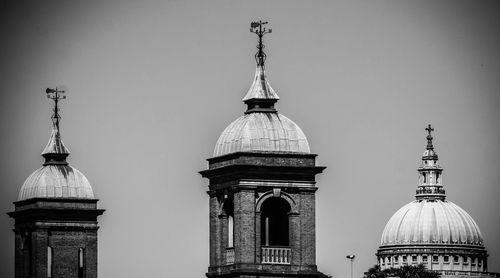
(262, 132)
(56, 181)
(432, 230)
(431, 222)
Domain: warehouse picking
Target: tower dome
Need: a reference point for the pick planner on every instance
(56, 215)
(261, 128)
(432, 230)
(56, 178)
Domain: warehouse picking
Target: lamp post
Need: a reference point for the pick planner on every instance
(351, 257)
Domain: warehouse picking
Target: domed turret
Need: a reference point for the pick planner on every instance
(56, 178)
(432, 230)
(261, 128)
(262, 186)
(56, 215)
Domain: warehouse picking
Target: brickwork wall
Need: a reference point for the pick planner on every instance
(90, 254)
(21, 258)
(308, 228)
(244, 226)
(295, 238)
(214, 240)
(224, 237)
(244, 185)
(65, 246)
(39, 252)
(32, 261)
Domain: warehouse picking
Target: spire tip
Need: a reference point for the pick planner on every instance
(55, 95)
(258, 27)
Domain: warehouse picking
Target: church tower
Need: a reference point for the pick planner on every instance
(56, 216)
(262, 190)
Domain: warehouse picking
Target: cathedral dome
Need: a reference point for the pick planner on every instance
(431, 222)
(432, 230)
(56, 181)
(262, 132)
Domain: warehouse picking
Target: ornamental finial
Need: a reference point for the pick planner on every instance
(55, 95)
(259, 29)
(429, 137)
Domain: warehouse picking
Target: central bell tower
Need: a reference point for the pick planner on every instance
(262, 190)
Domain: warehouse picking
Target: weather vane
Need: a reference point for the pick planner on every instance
(429, 137)
(259, 29)
(55, 95)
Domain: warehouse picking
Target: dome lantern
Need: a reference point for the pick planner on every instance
(430, 181)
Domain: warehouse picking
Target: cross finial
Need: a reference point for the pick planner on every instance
(55, 95)
(429, 137)
(429, 129)
(259, 29)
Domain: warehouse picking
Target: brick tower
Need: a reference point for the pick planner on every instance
(56, 216)
(262, 190)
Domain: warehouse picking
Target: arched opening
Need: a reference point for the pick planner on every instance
(274, 222)
(229, 211)
(230, 231)
(80, 262)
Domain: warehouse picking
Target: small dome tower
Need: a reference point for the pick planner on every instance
(261, 128)
(262, 190)
(56, 215)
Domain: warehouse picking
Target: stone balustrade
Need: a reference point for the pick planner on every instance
(276, 255)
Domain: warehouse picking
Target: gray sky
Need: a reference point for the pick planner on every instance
(151, 85)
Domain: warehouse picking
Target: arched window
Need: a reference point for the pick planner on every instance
(229, 211)
(230, 231)
(274, 222)
(81, 262)
(49, 262)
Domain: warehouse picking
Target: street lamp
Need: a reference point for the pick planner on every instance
(351, 257)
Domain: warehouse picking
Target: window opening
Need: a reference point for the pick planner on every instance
(49, 262)
(274, 222)
(230, 231)
(80, 262)
(229, 211)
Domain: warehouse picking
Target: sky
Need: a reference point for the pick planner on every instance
(152, 84)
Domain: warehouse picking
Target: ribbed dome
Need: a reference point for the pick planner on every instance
(56, 181)
(431, 222)
(262, 132)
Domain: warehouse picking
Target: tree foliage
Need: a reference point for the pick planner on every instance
(407, 271)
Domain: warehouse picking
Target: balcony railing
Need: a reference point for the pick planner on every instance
(276, 255)
(230, 256)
